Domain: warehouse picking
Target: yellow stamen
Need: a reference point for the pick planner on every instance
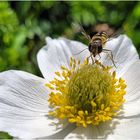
(86, 94)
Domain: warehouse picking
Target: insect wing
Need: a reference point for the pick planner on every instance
(85, 34)
(79, 28)
(115, 34)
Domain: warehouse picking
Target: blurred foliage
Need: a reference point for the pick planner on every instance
(24, 25)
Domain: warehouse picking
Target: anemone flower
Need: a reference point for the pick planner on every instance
(75, 99)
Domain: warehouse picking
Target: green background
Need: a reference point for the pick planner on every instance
(24, 26)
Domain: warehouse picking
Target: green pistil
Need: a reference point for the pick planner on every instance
(90, 83)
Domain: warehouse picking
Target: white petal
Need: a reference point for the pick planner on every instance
(124, 54)
(117, 128)
(24, 106)
(126, 129)
(56, 53)
(132, 77)
(91, 132)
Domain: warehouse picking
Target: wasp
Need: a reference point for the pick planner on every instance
(97, 44)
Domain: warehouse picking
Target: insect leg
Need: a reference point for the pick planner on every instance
(99, 56)
(111, 56)
(109, 51)
(91, 56)
(81, 51)
(92, 59)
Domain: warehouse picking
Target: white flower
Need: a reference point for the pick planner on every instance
(24, 103)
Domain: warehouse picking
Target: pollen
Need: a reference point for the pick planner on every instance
(86, 94)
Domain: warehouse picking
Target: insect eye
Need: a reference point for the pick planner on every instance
(90, 47)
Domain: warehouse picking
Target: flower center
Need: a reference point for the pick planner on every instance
(89, 85)
(86, 94)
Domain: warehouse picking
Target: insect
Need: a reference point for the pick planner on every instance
(97, 43)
